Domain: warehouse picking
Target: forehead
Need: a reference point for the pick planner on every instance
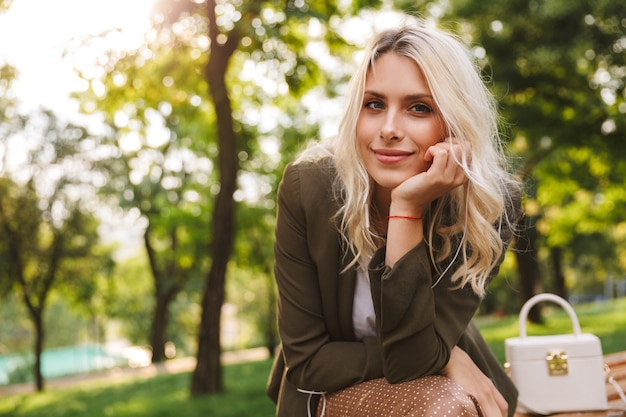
(395, 70)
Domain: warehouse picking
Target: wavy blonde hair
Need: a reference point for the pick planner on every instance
(473, 220)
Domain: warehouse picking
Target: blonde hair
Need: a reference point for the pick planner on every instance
(472, 219)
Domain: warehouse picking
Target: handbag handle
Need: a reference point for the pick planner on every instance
(547, 297)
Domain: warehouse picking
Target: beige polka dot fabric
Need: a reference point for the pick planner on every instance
(431, 396)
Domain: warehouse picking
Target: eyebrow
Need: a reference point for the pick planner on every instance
(407, 97)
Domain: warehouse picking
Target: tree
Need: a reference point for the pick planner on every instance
(223, 213)
(582, 192)
(255, 61)
(559, 73)
(148, 101)
(10, 122)
(45, 232)
(275, 38)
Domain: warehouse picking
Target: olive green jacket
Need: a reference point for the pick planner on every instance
(417, 325)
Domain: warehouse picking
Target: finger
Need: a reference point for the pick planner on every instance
(488, 400)
(489, 409)
(445, 171)
(455, 165)
(435, 151)
(459, 148)
(494, 405)
(454, 171)
(438, 157)
(454, 151)
(502, 404)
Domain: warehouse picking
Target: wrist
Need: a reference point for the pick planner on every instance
(401, 217)
(408, 211)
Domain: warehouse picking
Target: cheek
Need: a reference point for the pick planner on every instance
(362, 134)
(361, 148)
(432, 135)
(367, 128)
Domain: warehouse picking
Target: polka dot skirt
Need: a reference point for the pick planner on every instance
(431, 396)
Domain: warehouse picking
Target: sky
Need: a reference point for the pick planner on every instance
(35, 33)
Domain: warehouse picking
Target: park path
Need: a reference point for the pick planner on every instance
(120, 374)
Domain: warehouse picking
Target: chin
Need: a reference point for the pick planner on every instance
(389, 183)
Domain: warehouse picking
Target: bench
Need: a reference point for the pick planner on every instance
(617, 364)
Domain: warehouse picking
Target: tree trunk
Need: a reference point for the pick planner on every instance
(528, 269)
(159, 327)
(166, 287)
(207, 377)
(557, 273)
(39, 337)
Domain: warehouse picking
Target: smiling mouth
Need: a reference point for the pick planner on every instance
(388, 156)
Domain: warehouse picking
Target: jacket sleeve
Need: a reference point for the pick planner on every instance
(417, 325)
(314, 359)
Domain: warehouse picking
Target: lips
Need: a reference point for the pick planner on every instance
(391, 156)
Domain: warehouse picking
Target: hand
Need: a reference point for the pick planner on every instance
(444, 175)
(462, 370)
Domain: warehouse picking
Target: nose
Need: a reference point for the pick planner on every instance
(391, 127)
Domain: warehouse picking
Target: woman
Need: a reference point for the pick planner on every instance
(387, 238)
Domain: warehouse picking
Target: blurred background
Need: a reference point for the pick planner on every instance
(142, 142)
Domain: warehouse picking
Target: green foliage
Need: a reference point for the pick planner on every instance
(160, 161)
(45, 229)
(250, 292)
(16, 335)
(502, 298)
(23, 372)
(162, 150)
(555, 67)
(558, 69)
(185, 321)
(128, 298)
(48, 233)
(66, 324)
(580, 191)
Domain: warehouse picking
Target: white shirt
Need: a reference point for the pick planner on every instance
(363, 315)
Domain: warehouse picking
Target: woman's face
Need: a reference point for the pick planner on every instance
(398, 121)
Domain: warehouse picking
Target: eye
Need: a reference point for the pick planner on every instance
(421, 108)
(374, 104)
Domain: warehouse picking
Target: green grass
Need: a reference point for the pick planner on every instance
(159, 396)
(168, 395)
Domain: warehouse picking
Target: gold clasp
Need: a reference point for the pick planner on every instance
(557, 363)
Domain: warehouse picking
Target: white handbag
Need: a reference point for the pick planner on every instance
(556, 373)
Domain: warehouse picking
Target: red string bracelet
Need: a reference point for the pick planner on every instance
(404, 217)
